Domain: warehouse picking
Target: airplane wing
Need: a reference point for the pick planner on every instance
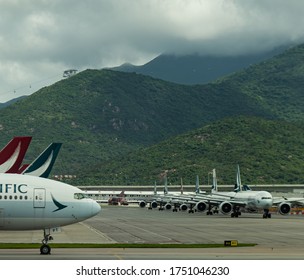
(218, 199)
(294, 201)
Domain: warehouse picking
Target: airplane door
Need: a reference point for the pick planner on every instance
(39, 198)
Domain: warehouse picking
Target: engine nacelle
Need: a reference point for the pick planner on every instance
(142, 204)
(168, 206)
(154, 204)
(284, 208)
(201, 206)
(183, 207)
(225, 207)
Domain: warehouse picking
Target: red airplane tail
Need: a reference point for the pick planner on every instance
(11, 156)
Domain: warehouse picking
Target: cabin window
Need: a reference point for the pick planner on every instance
(13, 197)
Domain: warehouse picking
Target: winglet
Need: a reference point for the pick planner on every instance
(43, 164)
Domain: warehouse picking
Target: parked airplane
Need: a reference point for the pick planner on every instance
(228, 202)
(283, 204)
(244, 198)
(176, 200)
(33, 203)
(233, 202)
(118, 200)
(11, 156)
(43, 164)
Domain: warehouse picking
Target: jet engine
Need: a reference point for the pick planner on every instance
(168, 206)
(284, 208)
(225, 207)
(201, 206)
(142, 204)
(154, 204)
(183, 207)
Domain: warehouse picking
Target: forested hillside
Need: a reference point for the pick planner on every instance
(103, 117)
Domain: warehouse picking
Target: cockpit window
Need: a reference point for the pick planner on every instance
(80, 195)
(266, 197)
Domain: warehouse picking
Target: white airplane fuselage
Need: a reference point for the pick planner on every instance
(32, 203)
(254, 200)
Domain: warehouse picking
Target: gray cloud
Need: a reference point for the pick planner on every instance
(40, 39)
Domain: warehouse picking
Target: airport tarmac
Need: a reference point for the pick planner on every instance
(281, 237)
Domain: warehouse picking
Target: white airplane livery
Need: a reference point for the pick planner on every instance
(33, 203)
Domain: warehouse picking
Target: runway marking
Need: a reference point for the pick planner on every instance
(104, 236)
(147, 231)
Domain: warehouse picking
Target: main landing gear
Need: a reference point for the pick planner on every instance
(191, 209)
(266, 214)
(210, 211)
(236, 212)
(45, 249)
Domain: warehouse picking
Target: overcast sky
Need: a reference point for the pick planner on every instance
(40, 39)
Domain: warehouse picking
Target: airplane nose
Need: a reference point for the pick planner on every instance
(95, 208)
(268, 204)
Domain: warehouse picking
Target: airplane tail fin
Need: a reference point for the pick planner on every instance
(155, 188)
(166, 186)
(182, 186)
(22, 168)
(197, 188)
(122, 194)
(11, 156)
(238, 185)
(43, 164)
(214, 182)
(246, 188)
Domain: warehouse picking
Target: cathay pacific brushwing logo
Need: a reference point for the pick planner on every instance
(58, 204)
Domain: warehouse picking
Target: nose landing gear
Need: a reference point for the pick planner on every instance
(45, 249)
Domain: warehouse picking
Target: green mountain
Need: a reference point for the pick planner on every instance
(276, 84)
(268, 152)
(100, 115)
(3, 105)
(197, 69)
(104, 115)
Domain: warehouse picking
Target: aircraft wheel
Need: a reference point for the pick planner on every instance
(45, 249)
(269, 215)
